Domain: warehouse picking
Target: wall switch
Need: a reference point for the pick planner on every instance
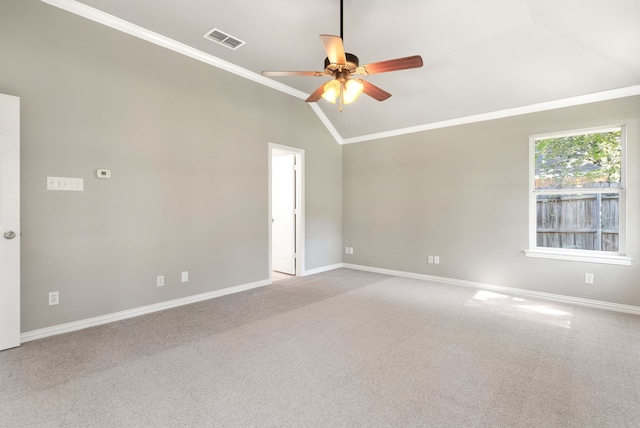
(350, 250)
(436, 260)
(54, 298)
(65, 183)
(430, 259)
(588, 278)
(160, 280)
(185, 276)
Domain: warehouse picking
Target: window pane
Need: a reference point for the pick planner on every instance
(579, 161)
(580, 222)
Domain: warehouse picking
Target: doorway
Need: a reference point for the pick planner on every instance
(9, 221)
(286, 211)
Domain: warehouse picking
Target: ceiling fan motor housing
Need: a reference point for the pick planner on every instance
(352, 63)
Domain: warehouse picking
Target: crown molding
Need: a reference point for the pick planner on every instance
(327, 123)
(119, 24)
(127, 27)
(628, 91)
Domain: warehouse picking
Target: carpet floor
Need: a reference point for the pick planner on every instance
(339, 349)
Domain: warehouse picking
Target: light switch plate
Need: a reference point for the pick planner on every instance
(65, 183)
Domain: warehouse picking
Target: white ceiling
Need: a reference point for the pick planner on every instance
(480, 57)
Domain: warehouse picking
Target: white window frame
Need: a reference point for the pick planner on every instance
(589, 256)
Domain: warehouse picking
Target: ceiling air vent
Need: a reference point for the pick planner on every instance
(224, 39)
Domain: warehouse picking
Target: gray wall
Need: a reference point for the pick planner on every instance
(187, 145)
(462, 193)
(188, 148)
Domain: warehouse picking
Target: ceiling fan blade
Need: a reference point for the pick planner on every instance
(293, 73)
(391, 65)
(316, 95)
(334, 48)
(374, 92)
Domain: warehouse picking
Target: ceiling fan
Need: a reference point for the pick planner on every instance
(342, 66)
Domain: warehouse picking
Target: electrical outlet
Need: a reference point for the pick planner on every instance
(160, 280)
(54, 298)
(350, 250)
(346, 250)
(430, 260)
(588, 278)
(436, 260)
(185, 276)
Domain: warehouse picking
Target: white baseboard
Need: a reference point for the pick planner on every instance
(130, 313)
(322, 269)
(517, 291)
(117, 316)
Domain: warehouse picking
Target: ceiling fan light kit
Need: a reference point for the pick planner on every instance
(342, 66)
(347, 92)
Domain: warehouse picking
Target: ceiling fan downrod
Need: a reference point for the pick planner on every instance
(341, 25)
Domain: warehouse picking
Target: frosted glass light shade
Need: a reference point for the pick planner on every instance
(353, 89)
(331, 91)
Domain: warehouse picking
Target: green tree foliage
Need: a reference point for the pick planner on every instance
(579, 160)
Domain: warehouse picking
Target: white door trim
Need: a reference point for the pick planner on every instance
(9, 221)
(300, 237)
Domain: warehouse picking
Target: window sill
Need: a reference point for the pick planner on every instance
(575, 257)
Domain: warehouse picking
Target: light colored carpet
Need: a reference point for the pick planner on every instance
(338, 349)
(277, 276)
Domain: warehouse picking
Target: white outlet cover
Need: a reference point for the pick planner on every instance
(54, 298)
(185, 276)
(160, 280)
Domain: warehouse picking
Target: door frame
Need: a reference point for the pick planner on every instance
(10, 129)
(300, 242)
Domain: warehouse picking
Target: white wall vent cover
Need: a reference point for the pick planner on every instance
(224, 39)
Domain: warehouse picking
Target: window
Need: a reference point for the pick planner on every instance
(577, 199)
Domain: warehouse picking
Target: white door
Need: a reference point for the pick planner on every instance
(9, 221)
(283, 204)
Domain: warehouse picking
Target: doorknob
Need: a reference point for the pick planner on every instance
(9, 235)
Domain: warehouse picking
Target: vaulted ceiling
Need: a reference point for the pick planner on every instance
(482, 59)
